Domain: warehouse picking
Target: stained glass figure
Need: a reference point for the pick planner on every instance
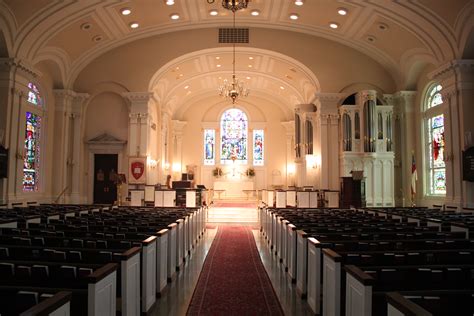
(32, 152)
(258, 140)
(34, 96)
(209, 146)
(234, 137)
(437, 164)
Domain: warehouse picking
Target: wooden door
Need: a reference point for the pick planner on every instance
(105, 171)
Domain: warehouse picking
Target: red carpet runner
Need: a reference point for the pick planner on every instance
(233, 279)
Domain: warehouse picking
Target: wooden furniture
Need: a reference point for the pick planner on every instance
(352, 192)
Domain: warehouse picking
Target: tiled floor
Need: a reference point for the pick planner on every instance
(176, 299)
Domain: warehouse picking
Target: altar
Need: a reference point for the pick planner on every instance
(232, 189)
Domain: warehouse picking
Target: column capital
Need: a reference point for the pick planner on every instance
(138, 97)
(178, 127)
(22, 66)
(405, 100)
(289, 127)
(452, 68)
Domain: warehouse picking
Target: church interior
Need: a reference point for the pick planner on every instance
(324, 145)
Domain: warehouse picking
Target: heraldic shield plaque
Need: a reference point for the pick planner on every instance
(137, 170)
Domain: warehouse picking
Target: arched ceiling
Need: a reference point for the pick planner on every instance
(397, 34)
(197, 75)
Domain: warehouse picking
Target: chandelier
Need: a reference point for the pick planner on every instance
(234, 89)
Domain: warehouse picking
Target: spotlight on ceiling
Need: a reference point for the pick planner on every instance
(342, 11)
(125, 11)
(294, 16)
(333, 25)
(299, 2)
(169, 2)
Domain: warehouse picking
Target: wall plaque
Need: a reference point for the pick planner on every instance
(3, 162)
(468, 165)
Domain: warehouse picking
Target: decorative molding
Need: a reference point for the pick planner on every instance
(105, 139)
(137, 97)
(6, 64)
(452, 68)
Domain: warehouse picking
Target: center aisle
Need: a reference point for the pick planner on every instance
(233, 278)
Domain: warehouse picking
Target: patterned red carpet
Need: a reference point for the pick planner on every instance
(233, 279)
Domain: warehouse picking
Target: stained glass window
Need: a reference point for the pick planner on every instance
(435, 143)
(258, 140)
(234, 137)
(434, 97)
(34, 96)
(32, 152)
(209, 147)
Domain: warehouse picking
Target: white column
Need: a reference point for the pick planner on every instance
(290, 156)
(76, 150)
(404, 102)
(328, 120)
(178, 167)
(138, 137)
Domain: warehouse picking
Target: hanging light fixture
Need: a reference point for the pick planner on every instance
(234, 89)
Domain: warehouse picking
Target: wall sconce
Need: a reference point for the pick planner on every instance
(176, 167)
(290, 168)
(152, 163)
(313, 161)
(165, 166)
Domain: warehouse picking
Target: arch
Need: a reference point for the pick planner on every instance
(8, 28)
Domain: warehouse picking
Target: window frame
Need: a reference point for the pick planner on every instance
(39, 110)
(428, 114)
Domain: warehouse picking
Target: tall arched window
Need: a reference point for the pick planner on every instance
(434, 142)
(32, 146)
(234, 125)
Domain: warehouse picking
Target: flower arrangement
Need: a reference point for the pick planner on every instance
(217, 172)
(250, 172)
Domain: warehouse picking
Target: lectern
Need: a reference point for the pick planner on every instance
(352, 192)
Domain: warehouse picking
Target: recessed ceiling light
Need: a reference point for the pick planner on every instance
(174, 16)
(255, 12)
(134, 25)
(294, 16)
(282, 88)
(250, 66)
(186, 87)
(383, 26)
(125, 11)
(371, 38)
(333, 25)
(213, 12)
(299, 2)
(248, 78)
(342, 11)
(97, 38)
(250, 57)
(169, 2)
(86, 26)
(218, 65)
(217, 57)
(219, 78)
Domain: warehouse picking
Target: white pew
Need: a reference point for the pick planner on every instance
(358, 292)
(301, 263)
(291, 244)
(102, 288)
(149, 270)
(398, 305)
(172, 251)
(57, 305)
(331, 283)
(162, 260)
(314, 275)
